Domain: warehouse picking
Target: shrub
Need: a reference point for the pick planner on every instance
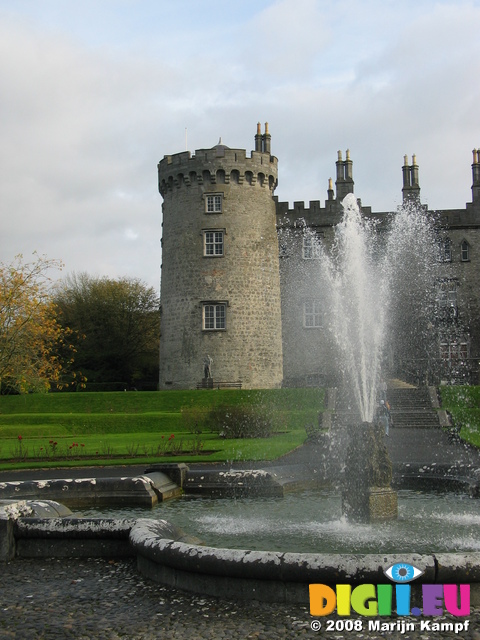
(237, 421)
(194, 419)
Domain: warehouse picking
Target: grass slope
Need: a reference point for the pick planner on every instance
(132, 428)
(464, 405)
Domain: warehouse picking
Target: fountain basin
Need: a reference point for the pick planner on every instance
(312, 522)
(164, 553)
(280, 577)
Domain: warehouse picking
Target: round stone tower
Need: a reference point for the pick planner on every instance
(220, 288)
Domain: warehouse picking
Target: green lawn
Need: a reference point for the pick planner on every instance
(464, 405)
(88, 429)
(76, 429)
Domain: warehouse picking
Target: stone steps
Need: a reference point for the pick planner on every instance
(411, 420)
(412, 408)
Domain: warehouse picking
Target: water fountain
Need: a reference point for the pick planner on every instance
(360, 283)
(357, 290)
(366, 274)
(366, 277)
(381, 280)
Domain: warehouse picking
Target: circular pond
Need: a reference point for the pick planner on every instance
(312, 522)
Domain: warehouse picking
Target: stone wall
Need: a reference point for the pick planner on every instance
(264, 280)
(465, 321)
(245, 277)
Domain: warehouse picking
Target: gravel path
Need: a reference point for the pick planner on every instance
(97, 599)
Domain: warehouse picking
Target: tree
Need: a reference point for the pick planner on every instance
(35, 349)
(120, 321)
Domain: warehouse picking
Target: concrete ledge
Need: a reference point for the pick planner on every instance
(233, 483)
(279, 577)
(433, 396)
(12, 511)
(458, 567)
(169, 556)
(72, 537)
(175, 471)
(164, 487)
(40, 529)
(7, 540)
(258, 575)
(61, 528)
(72, 548)
(444, 418)
(83, 492)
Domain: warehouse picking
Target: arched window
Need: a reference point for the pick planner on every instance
(465, 251)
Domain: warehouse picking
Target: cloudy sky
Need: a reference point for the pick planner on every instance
(94, 93)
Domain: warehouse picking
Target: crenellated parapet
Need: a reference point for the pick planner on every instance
(313, 214)
(216, 166)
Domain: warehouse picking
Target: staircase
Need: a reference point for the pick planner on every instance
(411, 408)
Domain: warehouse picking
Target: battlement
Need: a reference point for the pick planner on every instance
(219, 165)
(314, 214)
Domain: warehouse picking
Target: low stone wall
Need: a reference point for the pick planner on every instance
(72, 538)
(46, 529)
(233, 483)
(42, 528)
(145, 490)
(170, 557)
(279, 577)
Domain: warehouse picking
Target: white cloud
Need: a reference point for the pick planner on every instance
(285, 38)
(86, 113)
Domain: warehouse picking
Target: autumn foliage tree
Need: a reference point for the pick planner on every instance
(36, 350)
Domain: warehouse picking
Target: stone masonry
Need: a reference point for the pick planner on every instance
(220, 280)
(241, 284)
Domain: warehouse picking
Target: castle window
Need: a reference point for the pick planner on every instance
(453, 351)
(447, 299)
(447, 293)
(214, 316)
(465, 251)
(446, 251)
(213, 203)
(213, 243)
(312, 314)
(311, 247)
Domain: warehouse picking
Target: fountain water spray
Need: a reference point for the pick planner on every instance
(359, 299)
(369, 275)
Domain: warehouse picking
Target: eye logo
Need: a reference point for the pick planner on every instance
(402, 572)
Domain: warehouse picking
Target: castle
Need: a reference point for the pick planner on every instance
(241, 301)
